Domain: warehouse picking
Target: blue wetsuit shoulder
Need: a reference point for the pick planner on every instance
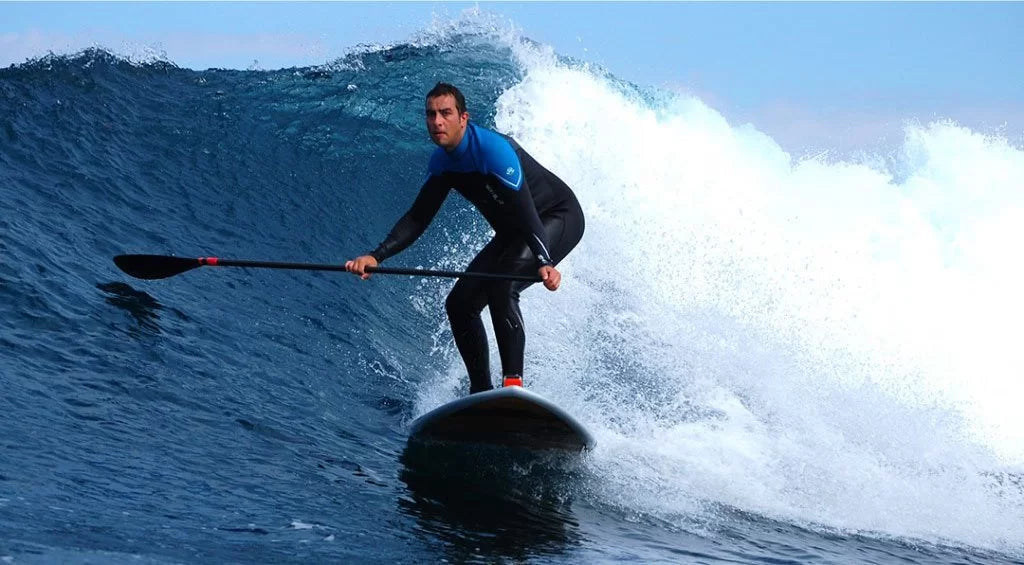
(499, 158)
(480, 151)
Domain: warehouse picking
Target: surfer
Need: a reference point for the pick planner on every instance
(536, 219)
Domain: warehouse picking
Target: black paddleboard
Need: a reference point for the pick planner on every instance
(511, 416)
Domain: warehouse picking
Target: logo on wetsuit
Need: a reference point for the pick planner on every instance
(493, 194)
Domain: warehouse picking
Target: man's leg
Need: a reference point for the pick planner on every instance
(563, 232)
(464, 304)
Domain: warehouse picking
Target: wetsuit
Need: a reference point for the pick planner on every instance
(536, 219)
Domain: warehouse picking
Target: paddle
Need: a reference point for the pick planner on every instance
(162, 266)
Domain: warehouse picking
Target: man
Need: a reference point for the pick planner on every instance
(535, 216)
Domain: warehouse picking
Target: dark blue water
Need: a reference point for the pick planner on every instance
(233, 415)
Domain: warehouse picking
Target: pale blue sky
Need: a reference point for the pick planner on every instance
(810, 74)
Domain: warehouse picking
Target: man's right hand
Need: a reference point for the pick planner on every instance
(359, 264)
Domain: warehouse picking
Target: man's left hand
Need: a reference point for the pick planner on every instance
(551, 277)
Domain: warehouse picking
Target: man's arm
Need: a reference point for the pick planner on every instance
(407, 229)
(521, 207)
(506, 168)
(525, 212)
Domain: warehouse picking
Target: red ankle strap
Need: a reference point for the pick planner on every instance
(512, 381)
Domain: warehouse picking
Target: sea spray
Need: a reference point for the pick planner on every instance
(818, 341)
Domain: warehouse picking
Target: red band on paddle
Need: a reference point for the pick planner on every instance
(207, 260)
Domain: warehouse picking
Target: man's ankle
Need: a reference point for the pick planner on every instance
(485, 388)
(512, 380)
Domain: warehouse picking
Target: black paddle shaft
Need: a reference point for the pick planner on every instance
(162, 266)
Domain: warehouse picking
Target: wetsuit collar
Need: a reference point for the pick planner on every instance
(463, 145)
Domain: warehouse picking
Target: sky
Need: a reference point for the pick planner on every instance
(842, 75)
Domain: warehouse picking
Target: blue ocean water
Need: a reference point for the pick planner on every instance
(237, 415)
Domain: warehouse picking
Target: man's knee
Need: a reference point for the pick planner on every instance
(452, 306)
(460, 305)
(501, 292)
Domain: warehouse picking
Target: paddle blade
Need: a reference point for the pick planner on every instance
(155, 266)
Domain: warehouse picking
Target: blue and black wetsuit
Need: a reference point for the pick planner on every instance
(536, 219)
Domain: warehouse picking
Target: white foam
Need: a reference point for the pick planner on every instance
(832, 343)
(827, 342)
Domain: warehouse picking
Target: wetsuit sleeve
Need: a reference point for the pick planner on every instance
(411, 226)
(525, 212)
(505, 166)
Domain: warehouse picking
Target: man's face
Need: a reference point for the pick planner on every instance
(444, 122)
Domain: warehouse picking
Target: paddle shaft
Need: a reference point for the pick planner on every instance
(216, 262)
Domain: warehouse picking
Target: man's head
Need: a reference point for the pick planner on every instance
(446, 115)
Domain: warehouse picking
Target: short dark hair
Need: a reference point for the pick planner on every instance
(445, 89)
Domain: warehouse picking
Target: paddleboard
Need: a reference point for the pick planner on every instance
(511, 416)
